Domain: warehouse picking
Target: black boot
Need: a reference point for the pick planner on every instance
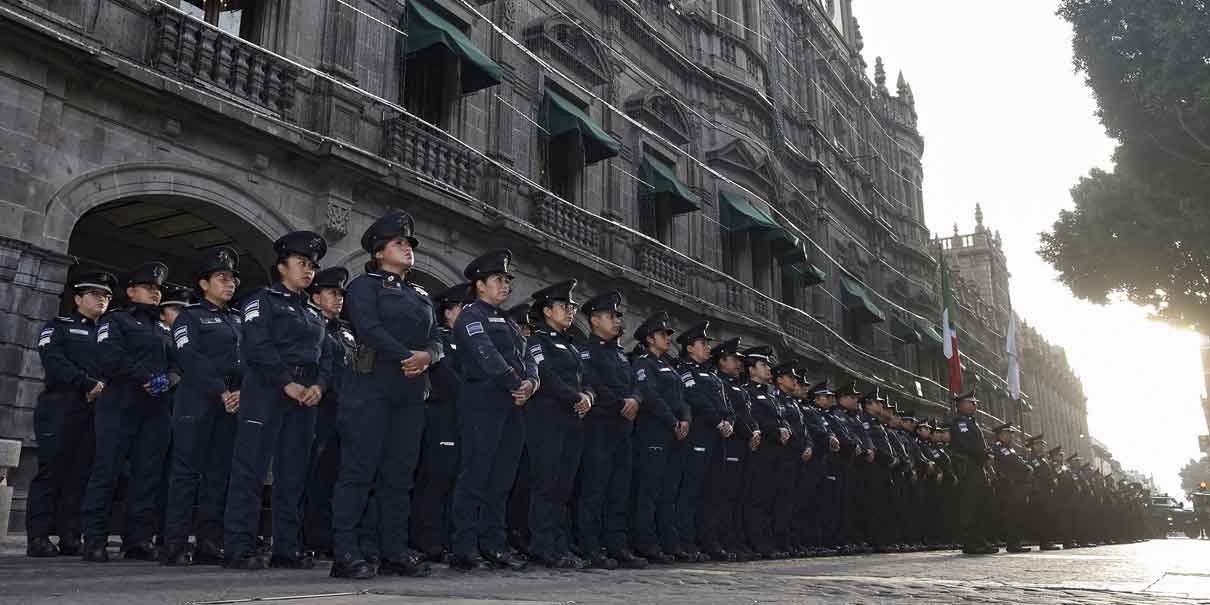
(176, 555)
(209, 551)
(470, 563)
(70, 545)
(627, 559)
(246, 562)
(145, 551)
(41, 547)
(505, 560)
(356, 569)
(292, 561)
(411, 564)
(96, 552)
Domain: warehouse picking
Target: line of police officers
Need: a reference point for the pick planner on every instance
(403, 428)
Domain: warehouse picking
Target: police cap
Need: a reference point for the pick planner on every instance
(821, 388)
(152, 273)
(307, 244)
(761, 353)
(1007, 426)
(94, 280)
(332, 277)
(606, 301)
(849, 390)
(453, 295)
(695, 332)
(176, 295)
(393, 225)
(216, 260)
(659, 321)
(561, 292)
(495, 262)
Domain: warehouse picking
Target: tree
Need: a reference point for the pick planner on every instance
(1193, 473)
(1141, 230)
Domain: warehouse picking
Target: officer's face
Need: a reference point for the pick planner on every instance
(1005, 437)
(219, 287)
(848, 402)
(297, 272)
(93, 303)
(730, 365)
(923, 433)
(787, 383)
(329, 300)
(397, 254)
(824, 401)
(699, 350)
(169, 314)
(559, 315)
(495, 289)
(144, 294)
(943, 436)
(606, 324)
(761, 372)
(451, 314)
(966, 407)
(660, 342)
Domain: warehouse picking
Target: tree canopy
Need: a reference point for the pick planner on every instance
(1193, 473)
(1143, 230)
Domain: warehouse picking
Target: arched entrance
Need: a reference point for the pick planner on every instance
(118, 235)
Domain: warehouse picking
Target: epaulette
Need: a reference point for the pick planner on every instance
(418, 289)
(65, 319)
(277, 292)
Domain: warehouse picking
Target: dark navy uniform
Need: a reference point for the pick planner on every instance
(659, 452)
(970, 452)
(495, 364)
(131, 352)
(763, 463)
(554, 432)
(206, 347)
(1013, 478)
(440, 449)
(878, 514)
(834, 522)
(325, 449)
(63, 425)
(382, 410)
(807, 511)
(283, 344)
(722, 532)
(601, 518)
(708, 407)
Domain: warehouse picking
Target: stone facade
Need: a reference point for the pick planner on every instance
(131, 131)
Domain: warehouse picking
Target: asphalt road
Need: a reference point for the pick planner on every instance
(1160, 571)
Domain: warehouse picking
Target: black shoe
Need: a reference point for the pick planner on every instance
(600, 560)
(436, 554)
(358, 569)
(246, 563)
(627, 559)
(175, 555)
(505, 560)
(41, 547)
(554, 561)
(96, 553)
(141, 552)
(469, 563)
(411, 564)
(208, 551)
(1050, 546)
(718, 554)
(295, 561)
(1017, 548)
(70, 546)
(680, 556)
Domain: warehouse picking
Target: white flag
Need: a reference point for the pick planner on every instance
(1014, 362)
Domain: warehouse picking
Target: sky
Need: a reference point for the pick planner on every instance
(1009, 124)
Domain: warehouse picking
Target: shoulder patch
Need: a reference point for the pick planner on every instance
(44, 337)
(585, 354)
(474, 328)
(641, 375)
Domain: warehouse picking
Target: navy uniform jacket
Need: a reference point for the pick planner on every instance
(966, 440)
(850, 442)
(741, 409)
(393, 318)
(792, 415)
(608, 373)
(207, 341)
(704, 395)
(446, 375)
(819, 432)
(766, 412)
(1044, 474)
(561, 371)
(284, 339)
(663, 393)
(1010, 466)
(490, 347)
(880, 441)
(67, 347)
(131, 347)
(341, 344)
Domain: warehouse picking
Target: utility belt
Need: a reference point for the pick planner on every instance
(304, 374)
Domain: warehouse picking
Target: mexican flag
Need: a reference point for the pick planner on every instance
(949, 330)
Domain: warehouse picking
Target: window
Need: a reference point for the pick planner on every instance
(429, 78)
(565, 165)
(236, 17)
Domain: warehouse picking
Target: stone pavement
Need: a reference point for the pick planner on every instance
(1160, 571)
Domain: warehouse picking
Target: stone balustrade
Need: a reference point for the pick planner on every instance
(431, 152)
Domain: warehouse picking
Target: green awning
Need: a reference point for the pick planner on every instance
(797, 254)
(426, 29)
(929, 332)
(560, 116)
(782, 242)
(857, 300)
(808, 273)
(904, 331)
(736, 213)
(659, 181)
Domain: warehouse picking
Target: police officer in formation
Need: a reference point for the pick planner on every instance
(396, 422)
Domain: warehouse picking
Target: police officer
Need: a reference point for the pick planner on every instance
(63, 418)
(821, 445)
(830, 514)
(855, 535)
(288, 370)
(499, 379)
(327, 292)
(381, 416)
(605, 473)
(554, 430)
(1042, 493)
(791, 454)
(969, 447)
(1013, 476)
(440, 448)
(661, 428)
(206, 337)
(712, 421)
(131, 416)
(879, 478)
(762, 466)
(722, 533)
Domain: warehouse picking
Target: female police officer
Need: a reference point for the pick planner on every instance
(288, 369)
(553, 428)
(500, 378)
(381, 416)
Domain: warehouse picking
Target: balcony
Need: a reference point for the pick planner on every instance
(657, 263)
(432, 153)
(568, 225)
(190, 51)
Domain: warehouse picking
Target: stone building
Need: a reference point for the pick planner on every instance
(721, 159)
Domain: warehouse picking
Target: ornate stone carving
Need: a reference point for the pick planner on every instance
(557, 38)
(740, 156)
(336, 218)
(660, 112)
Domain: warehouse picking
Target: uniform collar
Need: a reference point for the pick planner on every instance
(547, 331)
(209, 306)
(281, 288)
(78, 317)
